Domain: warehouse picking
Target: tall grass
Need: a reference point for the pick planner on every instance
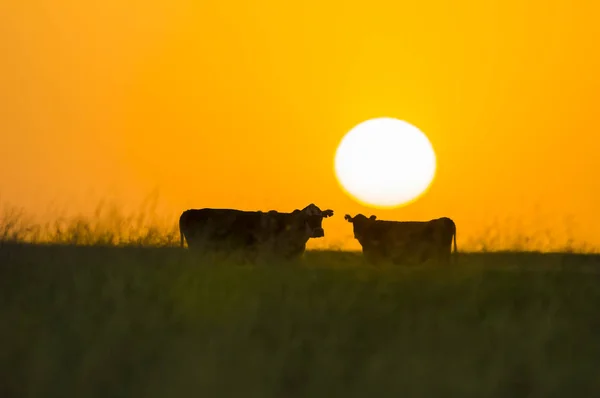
(110, 225)
(116, 311)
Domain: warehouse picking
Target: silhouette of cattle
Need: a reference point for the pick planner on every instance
(280, 234)
(404, 241)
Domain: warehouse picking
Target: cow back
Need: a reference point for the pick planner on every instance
(215, 228)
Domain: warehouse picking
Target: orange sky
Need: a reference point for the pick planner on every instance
(242, 104)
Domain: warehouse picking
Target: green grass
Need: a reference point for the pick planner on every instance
(161, 322)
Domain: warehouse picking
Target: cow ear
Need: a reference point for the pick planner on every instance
(348, 218)
(372, 217)
(327, 213)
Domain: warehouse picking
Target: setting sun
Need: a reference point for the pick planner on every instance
(385, 162)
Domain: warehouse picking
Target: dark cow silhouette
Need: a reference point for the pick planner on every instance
(280, 234)
(404, 241)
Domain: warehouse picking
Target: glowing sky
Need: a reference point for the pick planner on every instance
(242, 104)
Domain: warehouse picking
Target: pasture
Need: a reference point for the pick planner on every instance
(104, 321)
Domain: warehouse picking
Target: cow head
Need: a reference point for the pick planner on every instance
(299, 224)
(312, 218)
(360, 224)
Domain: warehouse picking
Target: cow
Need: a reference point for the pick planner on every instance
(404, 241)
(224, 230)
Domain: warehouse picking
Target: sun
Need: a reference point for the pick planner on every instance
(385, 163)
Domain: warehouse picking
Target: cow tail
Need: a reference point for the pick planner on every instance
(180, 233)
(455, 249)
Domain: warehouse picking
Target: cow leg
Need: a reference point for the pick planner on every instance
(400, 257)
(444, 255)
(410, 253)
(372, 256)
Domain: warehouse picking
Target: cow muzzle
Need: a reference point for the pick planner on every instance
(317, 233)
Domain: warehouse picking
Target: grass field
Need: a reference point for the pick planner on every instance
(160, 322)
